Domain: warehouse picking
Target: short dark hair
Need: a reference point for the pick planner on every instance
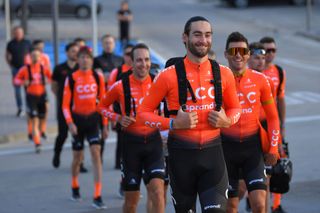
(138, 46)
(78, 39)
(187, 26)
(128, 46)
(236, 37)
(267, 39)
(37, 41)
(256, 45)
(70, 45)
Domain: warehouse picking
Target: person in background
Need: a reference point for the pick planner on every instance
(16, 51)
(60, 73)
(44, 61)
(278, 76)
(124, 17)
(34, 77)
(83, 89)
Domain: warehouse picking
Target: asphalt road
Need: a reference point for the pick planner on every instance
(29, 183)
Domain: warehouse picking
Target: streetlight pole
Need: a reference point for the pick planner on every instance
(24, 16)
(309, 14)
(94, 27)
(55, 14)
(7, 19)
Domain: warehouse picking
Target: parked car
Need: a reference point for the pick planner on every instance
(78, 8)
(246, 3)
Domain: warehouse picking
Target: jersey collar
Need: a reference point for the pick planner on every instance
(200, 66)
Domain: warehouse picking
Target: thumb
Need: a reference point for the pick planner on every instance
(180, 110)
(222, 111)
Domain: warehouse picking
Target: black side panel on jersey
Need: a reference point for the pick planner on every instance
(280, 70)
(43, 79)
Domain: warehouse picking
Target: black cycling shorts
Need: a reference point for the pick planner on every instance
(36, 105)
(199, 172)
(88, 127)
(244, 160)
(142, 156)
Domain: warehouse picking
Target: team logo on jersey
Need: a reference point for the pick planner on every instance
(87, 88)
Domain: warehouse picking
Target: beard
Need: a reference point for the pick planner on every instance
(199, 53)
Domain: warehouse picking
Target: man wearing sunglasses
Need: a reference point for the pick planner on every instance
(278, 76)
(241, 142)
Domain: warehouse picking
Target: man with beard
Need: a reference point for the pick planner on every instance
(60, 73)
(196, 162)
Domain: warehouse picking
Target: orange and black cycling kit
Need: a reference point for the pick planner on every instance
(193, 152)
(278, 76)
(86, 91)
(200, 79)
(139, 89)
(37, 80)
(116, 73)
(253, 91)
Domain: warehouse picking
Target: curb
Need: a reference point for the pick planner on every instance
(19, 136)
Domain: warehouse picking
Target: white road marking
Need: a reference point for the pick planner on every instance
(302, 97)
(301, 65)
(302, 119)
(49, 147)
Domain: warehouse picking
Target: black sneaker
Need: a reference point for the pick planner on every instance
(83, 169)
(121, 191)
(19, 113)
(38, 148)
(98, 203)
(279, 209)
(56, 160)
(43, 136)
(248, 206)
(75, 194)
(30, 139)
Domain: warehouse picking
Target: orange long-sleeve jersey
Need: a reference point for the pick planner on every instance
(199, 75)
(253, 91)
(139, 89)
(274, 95)
(113, 75)
(273, 73)
(84, 96)
(36, 86)
(44, 60)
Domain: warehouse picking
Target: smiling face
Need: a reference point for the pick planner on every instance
(141, 63)
(237, 62)
(198, 40)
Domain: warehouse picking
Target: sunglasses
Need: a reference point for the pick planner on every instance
(235, 50)
(271, 50)
(257, 52)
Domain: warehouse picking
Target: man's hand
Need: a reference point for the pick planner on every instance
(219, 119)
(185, 120)
(105, 132)
(270, 159)
(73, 128)
(26, 83)
(126, 121)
